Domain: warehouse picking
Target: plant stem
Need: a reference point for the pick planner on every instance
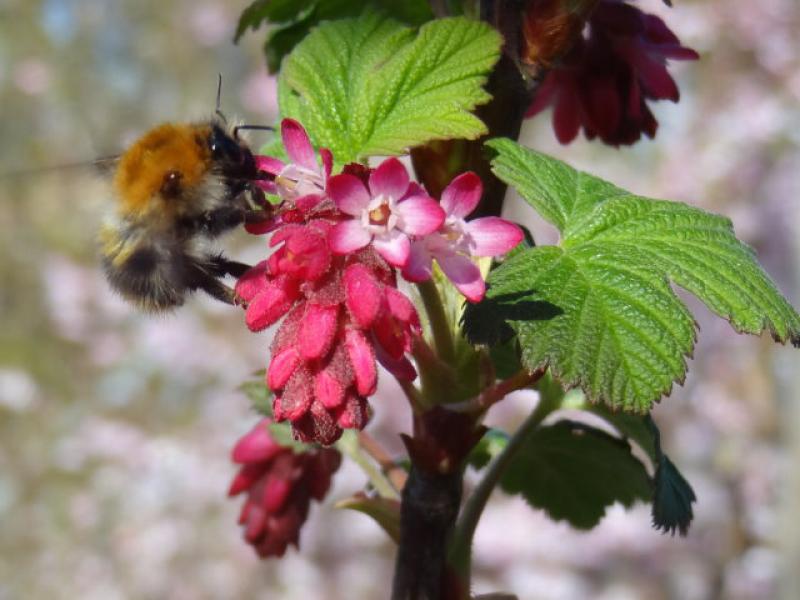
(439, 8)
(497, 392)
(461, 547)
(349, 444)
(372, 447)
(428, 513)
(440, 327)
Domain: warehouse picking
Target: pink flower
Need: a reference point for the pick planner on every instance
(606, 79)
(280, 484)
(385, 212)
(302, 181)
(458, 240)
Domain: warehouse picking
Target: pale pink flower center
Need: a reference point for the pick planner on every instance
(454, 231)
(378, 217)
(295, 181)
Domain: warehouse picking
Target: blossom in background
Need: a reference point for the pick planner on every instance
(457, 240)
(280, 485)
(605, 80)
(384, 212)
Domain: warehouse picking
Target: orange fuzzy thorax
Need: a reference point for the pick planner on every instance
(168, 147)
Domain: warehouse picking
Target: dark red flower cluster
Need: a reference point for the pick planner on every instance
(606, 79)
(340, 312)
(280, 485)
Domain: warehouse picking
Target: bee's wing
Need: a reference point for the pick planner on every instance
(102, 166)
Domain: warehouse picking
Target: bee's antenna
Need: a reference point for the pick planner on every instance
(217, 111)
(256, 127)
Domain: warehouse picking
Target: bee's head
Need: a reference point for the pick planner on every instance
(231, 156)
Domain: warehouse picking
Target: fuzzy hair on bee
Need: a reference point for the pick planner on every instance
(177, 188)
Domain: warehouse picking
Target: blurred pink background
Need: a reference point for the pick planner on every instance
(115, 428)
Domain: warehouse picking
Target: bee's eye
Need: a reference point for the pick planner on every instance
(171, 184)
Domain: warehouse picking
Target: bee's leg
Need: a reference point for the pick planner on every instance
(218, 290)
(204, 278)
(222, 266)
(257, 196)
(217, 221)
(258, 216)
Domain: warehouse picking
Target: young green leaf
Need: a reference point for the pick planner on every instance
(385, 511)
(672, 499)
(282, 434)
(259, 395)
(293, 19)
(574, 472)
(490, 445)
(618, 330)
(371, 86)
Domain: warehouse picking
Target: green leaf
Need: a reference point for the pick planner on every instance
(489, 446)
(598, 308)
(574, 472)
(370, 86)
(673, 495)
(259, 395)
(282, 39)
(385, 511)
(672, 500)
(282, 434)
(275, 11)
(295, 18)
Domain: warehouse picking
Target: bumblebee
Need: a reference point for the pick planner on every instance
(177, 188)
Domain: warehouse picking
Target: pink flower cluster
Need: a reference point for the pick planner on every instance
(606, 79)
(339, 241)
(280, 485)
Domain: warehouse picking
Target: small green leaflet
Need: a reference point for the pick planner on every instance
(259, 395)
(574, 472)
(293, 19)
(490, 445)
(385, 511)
(371, 86)
(613, 325)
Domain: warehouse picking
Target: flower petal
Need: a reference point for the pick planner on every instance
(567, 113)
(348, 194)
(256, 446)
(327, 162)
(419, 266)
(464, 274)
(268, 306)
(348, 236)
(462, 195)
(419, 215)
(269, 164)
(402, 369)
(390, 178)
(493, 236)
(298, 146)
(328, 389)
(297, 396)
(317, 330)
(281, 367)
(354, 413)
(362, 359)
(252, 282)
(393, 246)
(362, 294)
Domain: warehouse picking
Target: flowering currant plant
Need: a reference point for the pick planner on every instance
(385, 247)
